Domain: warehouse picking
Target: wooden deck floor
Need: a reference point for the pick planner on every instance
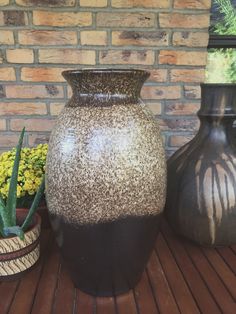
(180, 278)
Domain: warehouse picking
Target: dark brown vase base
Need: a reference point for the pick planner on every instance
(107, 259)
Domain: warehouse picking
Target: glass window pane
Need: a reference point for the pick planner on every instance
(221, 66)
(223, 17)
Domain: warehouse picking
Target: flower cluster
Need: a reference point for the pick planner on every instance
(31, 170)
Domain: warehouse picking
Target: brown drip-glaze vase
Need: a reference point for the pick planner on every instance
(105, 180)
(201, 193)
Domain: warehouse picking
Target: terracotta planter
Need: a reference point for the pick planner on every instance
(106, 180)
(17, 256)
(201, 194)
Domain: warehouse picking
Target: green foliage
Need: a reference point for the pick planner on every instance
(12, 193)
(227, 26)
(8, 211)
(221, 66)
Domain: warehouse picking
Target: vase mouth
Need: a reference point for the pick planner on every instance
(138, 72)
(218, 99)
(105, 86)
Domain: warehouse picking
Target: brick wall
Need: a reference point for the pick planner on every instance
(40, 38)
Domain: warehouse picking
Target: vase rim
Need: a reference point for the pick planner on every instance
(106, 70)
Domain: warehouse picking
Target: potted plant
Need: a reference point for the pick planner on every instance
(19, 228)
(31, 171)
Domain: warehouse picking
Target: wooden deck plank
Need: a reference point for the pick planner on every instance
(126, 303)
(162, 292)
(25, 294)
(65, 295)
(84, 303)
(183, 296)
(199, 290)
(7, 293)
(211, 279)
(229, 257)
(105, 305)
(43, 302)
(233, 247)
(144, 296)
(222, 269)
(180, 278)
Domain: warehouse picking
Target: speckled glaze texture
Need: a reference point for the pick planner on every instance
(106, 159)
(106, 180)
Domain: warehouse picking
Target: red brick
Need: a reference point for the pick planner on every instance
(178, 124)
(181, 108)
(31, 124)
(56, 108)
(186, 75)
(14, 18)
(191, 39)
(6, 38)
(158, 75)
(36, 139)
(7, 74)
(155, 108)
(120, 19)
(180, 140)
(158, 4)
(2, 124)
(192, 92)
(179, 20)
(42, 74)
(20, 55)
(93, 3)
(97, 38)
(34, 91)
(67, 56)
(126, 57)
(161, 92)
(8, 140)
(45, 37)
(136, 38)
(47, 3)
(62, 19)
(16, 108)
(181, 57)
(4, 2)
(192, 4)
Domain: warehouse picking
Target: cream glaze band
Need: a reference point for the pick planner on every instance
(119, 160)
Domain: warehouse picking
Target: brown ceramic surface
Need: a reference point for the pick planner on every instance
(201, 194)
(106, 160)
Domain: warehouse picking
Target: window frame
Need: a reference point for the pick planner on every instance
(222, 41)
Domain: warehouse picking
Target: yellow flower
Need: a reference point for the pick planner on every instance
(31, 170)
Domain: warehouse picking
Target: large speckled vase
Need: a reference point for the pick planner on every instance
(201, 194)
(105, 180)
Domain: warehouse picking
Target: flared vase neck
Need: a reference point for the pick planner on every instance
(218, 100)
(104, 87)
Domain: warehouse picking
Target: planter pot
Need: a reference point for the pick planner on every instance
(17, 256)
(105, 180)
(201, 194)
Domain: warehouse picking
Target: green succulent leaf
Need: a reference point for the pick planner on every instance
(1, 227)
(3, 213)
(34, 205)
(16, 230)
(12, 194)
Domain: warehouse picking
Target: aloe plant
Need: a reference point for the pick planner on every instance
(8, 222)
